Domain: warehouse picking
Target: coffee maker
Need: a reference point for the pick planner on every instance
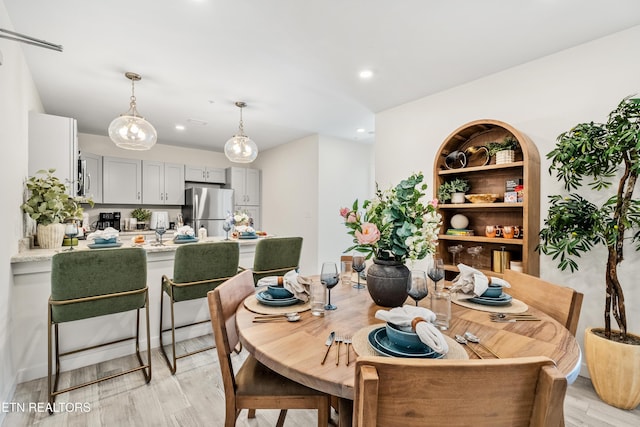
(108, 219)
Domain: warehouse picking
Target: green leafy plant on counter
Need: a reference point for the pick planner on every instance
(508, 143)
(456, 185)
(142, 215)
(49, 201)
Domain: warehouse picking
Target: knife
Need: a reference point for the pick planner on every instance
(329, 342)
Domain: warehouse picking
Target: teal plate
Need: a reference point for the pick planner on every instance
(180, 241)
(248, 237)
(504, 299)
(380, 342)
(103, 245)
(269, 300)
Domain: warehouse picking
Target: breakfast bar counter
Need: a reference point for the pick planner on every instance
(31, 289)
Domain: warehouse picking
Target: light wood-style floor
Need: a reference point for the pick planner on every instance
(194, 397)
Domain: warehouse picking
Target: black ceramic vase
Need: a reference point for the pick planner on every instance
(387, 282)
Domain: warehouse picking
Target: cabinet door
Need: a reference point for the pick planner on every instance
(195, 173)
(93, 179)
(152, 183)
(173, 184)
(238, 179)
(122, 180)
(216, 175)
(252, 187)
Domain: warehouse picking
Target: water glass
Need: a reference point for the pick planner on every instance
(441, 307)
(346, 269)
(317, 298)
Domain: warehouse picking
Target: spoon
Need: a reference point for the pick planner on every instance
(474, 339)
(289, 317)
(462, 340)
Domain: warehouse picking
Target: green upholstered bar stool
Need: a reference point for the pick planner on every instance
(91, 283)
(198, 268)
(275, 256)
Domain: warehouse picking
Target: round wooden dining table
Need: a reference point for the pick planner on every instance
(296, 349)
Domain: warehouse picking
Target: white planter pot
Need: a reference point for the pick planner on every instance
(50, 236)
(505, 156)
(457, 198)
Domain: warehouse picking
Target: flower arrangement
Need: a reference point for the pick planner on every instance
(240, 218)
(396, 223)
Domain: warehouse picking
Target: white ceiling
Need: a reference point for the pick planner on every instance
(294, 62)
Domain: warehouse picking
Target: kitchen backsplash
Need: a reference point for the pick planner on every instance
(125, 212)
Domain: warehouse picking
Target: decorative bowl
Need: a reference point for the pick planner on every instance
(101, 241)
(404, 337)
(279, 292)
(481, 198)
(493, 292)
(184, 237)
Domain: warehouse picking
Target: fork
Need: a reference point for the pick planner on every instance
(339, 340)
(347, 341)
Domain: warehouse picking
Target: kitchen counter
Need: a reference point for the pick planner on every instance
(31, 289)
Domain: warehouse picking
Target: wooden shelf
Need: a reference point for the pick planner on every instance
(490, 178)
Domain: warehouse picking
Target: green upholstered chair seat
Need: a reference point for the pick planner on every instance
(255, 379)
(275, 256)
(81, 274)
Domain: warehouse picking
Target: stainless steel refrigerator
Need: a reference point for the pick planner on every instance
(208, 207)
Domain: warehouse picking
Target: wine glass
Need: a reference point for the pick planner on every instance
(358, 265)
(160, 231)
(454, 250)
(71, 231)
(329, 277)
(417, 285)
(436, 271)
(226, 226)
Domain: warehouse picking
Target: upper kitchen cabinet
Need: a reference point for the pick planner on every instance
(53, 144)
(90, 177)
(204, 174)
(245, 183)
(162, 183)
(122, 180)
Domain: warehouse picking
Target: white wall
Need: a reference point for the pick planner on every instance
(18, 96)
(542, 99)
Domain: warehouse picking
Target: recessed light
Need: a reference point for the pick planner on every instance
(180, 127)
(361, 130)
(197, 122)
(366, 74)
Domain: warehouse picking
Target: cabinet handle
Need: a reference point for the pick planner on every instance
(139, 195)
(166, 196)
(207, 174)
(204, 174)
(161, 196)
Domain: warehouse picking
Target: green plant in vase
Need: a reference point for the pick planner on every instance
(456, 185)
(141, 215)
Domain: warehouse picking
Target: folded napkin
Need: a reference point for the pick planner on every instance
(244, 229)
(184, 231)
(472, 283)
(297, 285)
(428, 333)
(106, 234)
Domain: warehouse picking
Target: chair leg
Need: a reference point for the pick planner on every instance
(281, 417)
(251, 413)
(146, 372)
(324, 411)
(172, 366)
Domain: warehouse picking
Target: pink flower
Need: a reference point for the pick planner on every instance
(434, 203)
(369, 234)
(352, 217)
(344, 212)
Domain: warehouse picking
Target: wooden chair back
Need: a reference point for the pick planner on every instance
(560, 302)
(393, 392)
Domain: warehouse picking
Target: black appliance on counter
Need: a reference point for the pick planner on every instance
(108, 219)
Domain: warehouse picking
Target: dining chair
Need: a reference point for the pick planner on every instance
(197, 269)
(526, 391)
(253, 386)
(275, 256)
(92, 283)
(560, 302)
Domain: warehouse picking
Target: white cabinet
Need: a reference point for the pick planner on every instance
(92, 176)
(245, 183)
(122, 180)
(162, 183)
(53, 144)
(204, 174)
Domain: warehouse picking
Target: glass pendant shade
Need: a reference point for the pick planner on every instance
(241, 149)
(131, 131)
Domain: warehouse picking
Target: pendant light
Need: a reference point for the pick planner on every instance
(131, 131)
(240, 148)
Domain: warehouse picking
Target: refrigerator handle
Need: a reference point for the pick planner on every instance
(195, 212)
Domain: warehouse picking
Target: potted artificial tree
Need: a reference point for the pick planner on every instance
(453, 190)
(49, 205)
(142, 216)
(595, 156)
(504, 150)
